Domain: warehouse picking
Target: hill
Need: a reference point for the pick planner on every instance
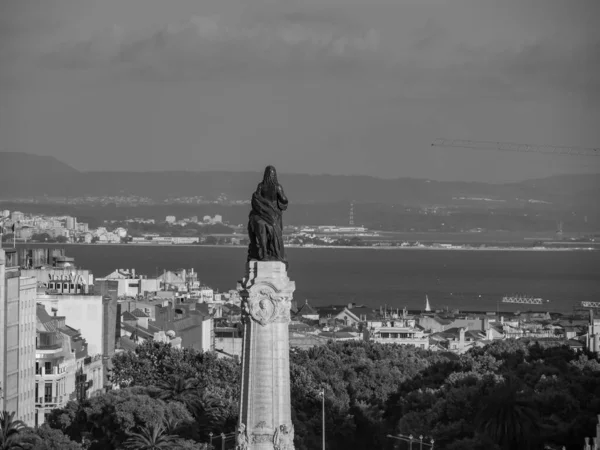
(27, 174)
(23, 175)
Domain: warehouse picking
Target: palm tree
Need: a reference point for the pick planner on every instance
(10, 430)
(208, 410)
(508, 418)
(150, 437)
(177, 388)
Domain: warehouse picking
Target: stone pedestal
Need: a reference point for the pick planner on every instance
(265, 411)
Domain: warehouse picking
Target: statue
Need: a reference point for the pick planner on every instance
(265, 224)
(284, 438)
(241, 439)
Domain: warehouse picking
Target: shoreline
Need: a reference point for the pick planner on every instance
(331, 247)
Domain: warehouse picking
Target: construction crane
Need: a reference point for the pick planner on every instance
(524, 300)
(513, 147)
(590, 304)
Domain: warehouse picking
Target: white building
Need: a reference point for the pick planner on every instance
(71, 223)
(121, 232)
(402, 336)
(84, 310)
(17, 339)
(170, 219)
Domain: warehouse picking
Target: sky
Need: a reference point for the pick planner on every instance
(310, 86)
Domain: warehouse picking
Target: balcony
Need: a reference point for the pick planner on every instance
(46, 350)
(51, 402)
(50, 376)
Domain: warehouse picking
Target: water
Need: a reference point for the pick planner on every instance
(468, 280)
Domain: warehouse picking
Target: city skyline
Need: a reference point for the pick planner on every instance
(327, 87)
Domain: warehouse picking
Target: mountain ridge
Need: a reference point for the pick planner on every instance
(48, 176)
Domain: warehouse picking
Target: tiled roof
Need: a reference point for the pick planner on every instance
(43, 315)
(442, 321)
(338, 334)
(184, 324)
(307, 310)
(139, 313)
(141, 332)
(70, 331)
(128, 316)
(202, 308)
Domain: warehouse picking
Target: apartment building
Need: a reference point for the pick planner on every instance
(17, 338)
(64, 369)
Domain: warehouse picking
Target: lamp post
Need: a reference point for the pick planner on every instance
(322, 394)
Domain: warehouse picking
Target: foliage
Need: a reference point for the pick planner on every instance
(513, 394)
(216, 381)
(509, 394)
(10, 430)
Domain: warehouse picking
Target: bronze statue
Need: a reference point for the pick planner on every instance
(265, 224)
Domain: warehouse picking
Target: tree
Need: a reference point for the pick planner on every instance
(107, 419)
(10, 431)
(211, 240)
(178, 388)
(509, 418)
(55, 440)
(150, 437)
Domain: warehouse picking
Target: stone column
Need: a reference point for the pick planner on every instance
(265, 410)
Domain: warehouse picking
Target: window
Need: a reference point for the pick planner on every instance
(48, 367)
(72, 286)
(48, 393)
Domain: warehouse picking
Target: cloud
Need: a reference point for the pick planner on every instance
(431, 52)
(215, 44)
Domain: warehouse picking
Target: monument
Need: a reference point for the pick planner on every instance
(265, 411)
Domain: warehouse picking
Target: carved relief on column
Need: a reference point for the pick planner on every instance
(265, 305)
(262, 433)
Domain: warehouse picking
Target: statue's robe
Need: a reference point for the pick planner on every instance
(265, 225)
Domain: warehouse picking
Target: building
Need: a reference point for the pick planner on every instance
(17, 339)
(71, 223)
(593, 334)
(64, 370)
(84, 310)
(401, 335)
(31, 258)
(17, 216)
(128, 284)
(307, 312)
(459, 340)
(228, 341)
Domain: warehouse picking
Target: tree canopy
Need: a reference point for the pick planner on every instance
(509, 394)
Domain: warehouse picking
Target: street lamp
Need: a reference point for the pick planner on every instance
(322, 394)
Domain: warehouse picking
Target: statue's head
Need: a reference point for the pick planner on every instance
(270, 176)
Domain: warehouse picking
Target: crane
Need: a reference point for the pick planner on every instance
(513, 147)
(590, 304)
(523, 300)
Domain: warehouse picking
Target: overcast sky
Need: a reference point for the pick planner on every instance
(311, 86)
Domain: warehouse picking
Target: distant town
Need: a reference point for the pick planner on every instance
(19, 227)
